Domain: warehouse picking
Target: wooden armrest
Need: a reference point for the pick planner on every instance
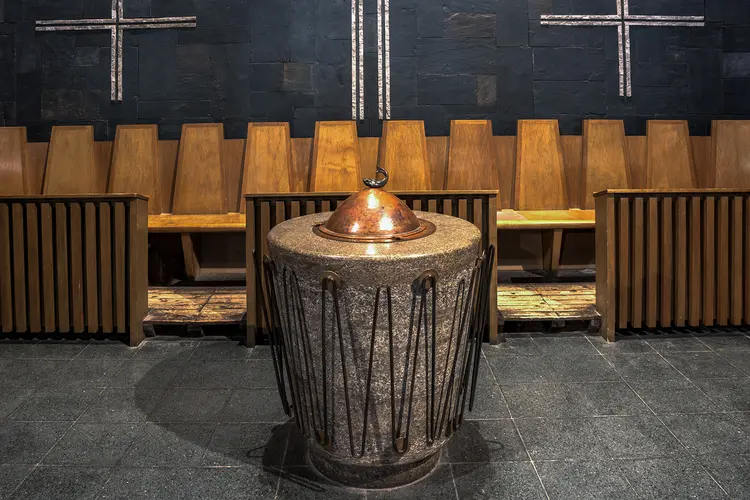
(545, 219)
(203, 223)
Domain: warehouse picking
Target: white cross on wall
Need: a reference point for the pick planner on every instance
(116, 25)
(384, 60)
(623, 20)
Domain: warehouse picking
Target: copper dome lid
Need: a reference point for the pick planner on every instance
(374, 216)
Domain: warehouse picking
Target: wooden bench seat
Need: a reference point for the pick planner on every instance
(545, 219)
(201, 223)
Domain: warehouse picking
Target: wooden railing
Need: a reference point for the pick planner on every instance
(74, 264)
(672, 258)
(264, 211)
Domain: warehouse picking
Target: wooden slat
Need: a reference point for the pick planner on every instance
(695, 262)
(268, 159)
(369, 152)
(19, 268)
(572, 147)
(204, 223)
(638, 255)
(90, 263)
(731, 150)
(540, 180)
(652, 261)
(471, 163)
(232, 154)
(504, 148)
(722, 261)
(200, 187)
(336, 164)
(61, 267)
(119, 244)
(709, 260)
(190, 259)
(47, 241)
(6, 281)
(680, 261)
(437, 152)
(102, 163)
(605, 163)
(738, 267)
(606, 251)
(637, 160)
(403, 153)
(37, 164)
(70, 161)
(704, 173)
(136, 267)
(167, 168)
(623, 279)
(76, 268)
(666, 269)
(135, 164)
(301, 161)
(106, 305)
(670, 156)
(32, 262)
(14, 161)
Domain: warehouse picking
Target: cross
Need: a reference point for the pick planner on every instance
(384, 60)
(116, 25)
(623, 20)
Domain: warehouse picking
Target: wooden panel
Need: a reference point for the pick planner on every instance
(34, 303)
(135, 164)
(731, 153)
(47, 240)
(623, 279)
(232, 154)
(652, 261)
(14, 161)
(119, 244)
(704, 173)
(369, 149)
(540, 181)
(637, 160)
(268, 159)
(19, 268)
(638, 255)
(504, 148)
(606, 252)
(403, 153)
(605, 164)
(36, 166)
(106, 305)
(709, 260)
(336, 164)
(301, 161)
(199, 186)
(102, 163)
(90, 262)
(6, 282)
(738, 267)
(669, 156)
(167, 168)
(722, 261)
(695, 291)
(137, 269)
(572, 159)
(471, 162)
(76, 267)
(61, 267)
(666, 271)
(70, 161)
(680, 261)
(437, 153)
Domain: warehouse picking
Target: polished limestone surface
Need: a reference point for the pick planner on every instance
(558, 417)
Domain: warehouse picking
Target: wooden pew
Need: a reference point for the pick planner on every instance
(74, 264)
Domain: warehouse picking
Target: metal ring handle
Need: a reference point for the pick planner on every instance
(374, 183)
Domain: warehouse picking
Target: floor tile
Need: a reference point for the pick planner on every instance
(167, 349)
(730, 394)
(673, 478)
(583, 480)
(497, 481)
(696, 365)
(673, 396)
(29, 372)
(581, 368)
(713, 433)
(520, 369)
(731, 471)
(63, 483)
(556, 439)
(93, 444)
(191, 405)
(647, 366)
(108, 349)
(636, 437)
(736, 342)
(738, 359)
(169, 445)
(253, 405)
(12, 348)
(676, 343)
(123, 404)
(12, 398)
(437, 484)
(303, 483)
(627, 345)
(50, 349)
(488, 399)
(513, 346)
(486, 441)
(242, 444)
(10, 477)
(258, 374)
(147, 373)
(28, 442)
(572, 400)
(560, 345)
(220, 350)
(210, 375)
(66, 403)
(259, 352)
(88, 372)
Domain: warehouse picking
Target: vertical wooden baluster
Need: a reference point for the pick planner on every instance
(90, 263)
(623, 280)
(32, 260)
(722, 262)
(638, 254)
(432, 206)
(680, 266)
(738, 270)
(19, 267)
(667, 261)
(652, 262)
(6, 284)
(47, 241)
(695, 263)
(61, 267)
(295, 209)
(106, 306)
(709, 261)
(77, 297)
(119, 242)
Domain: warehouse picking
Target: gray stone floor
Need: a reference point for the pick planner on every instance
(565, 417)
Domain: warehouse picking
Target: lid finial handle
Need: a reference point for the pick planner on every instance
(374, 183)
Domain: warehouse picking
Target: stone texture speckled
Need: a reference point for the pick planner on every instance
(302, 259)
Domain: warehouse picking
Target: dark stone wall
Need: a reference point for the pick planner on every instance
(290, 60)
